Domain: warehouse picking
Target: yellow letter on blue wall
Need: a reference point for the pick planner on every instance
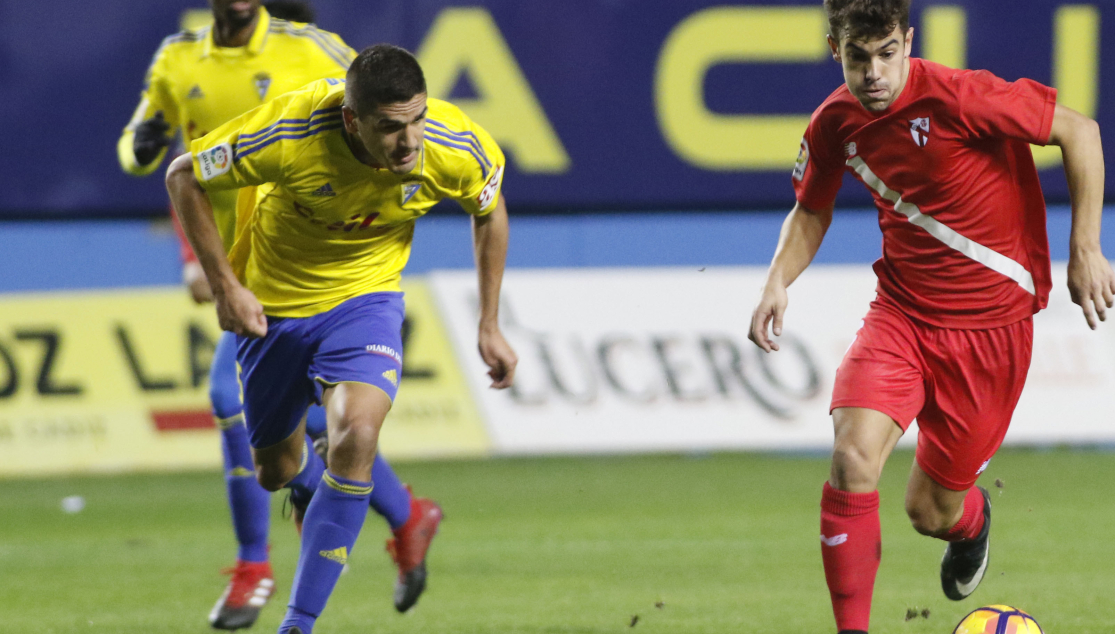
(1076, 45)
(720, 35)
(467, 40)
(944, 35)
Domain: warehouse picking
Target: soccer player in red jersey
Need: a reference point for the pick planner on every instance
(965, 266)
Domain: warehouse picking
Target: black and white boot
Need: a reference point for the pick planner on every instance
(965, 562)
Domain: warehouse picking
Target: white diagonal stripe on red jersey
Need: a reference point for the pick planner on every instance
(991, 259)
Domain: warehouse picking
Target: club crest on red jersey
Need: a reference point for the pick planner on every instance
(919, 129)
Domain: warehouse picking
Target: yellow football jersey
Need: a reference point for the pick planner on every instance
(198, 86)
(325, 227)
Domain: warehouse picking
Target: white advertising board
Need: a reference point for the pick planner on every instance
(624, 360)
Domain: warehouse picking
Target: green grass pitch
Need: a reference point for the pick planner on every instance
(721, 543)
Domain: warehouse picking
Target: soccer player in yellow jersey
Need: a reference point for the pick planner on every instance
(311, 286)
(198, 81)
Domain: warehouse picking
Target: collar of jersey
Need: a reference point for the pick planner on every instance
(255, 44)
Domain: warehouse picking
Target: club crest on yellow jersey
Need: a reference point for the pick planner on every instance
(262, 83)
(409, 190)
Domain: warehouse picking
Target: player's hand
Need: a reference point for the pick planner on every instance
(238, 311)
(772, 305)
(499, 357)
(1091, 284)
(194, 278)
(150, 138)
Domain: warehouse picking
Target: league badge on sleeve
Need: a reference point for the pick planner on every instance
(215, 161)
(919, 129)
(802, 162)
(488, 194)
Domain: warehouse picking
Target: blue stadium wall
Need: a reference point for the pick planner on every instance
(601, 105)
(74, 255)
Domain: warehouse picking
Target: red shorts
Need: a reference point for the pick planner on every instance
(960, 385)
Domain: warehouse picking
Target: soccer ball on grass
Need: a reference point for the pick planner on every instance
(998, 619)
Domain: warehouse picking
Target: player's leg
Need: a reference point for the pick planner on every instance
(250, 503)
(335, 516)
(412, 533)
(413, 520)
(356, 365)
(962, 518)
(978, 376)
(851, 544)
(937, 511)
(252, 580)
(879, 387)
(391, 499)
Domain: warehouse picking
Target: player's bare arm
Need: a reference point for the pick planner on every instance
(1091, 280)
(801, 237)
(238, 310)
(489, 234)
(193, 276)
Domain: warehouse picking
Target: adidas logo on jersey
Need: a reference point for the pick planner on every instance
(392, 376)
(195, 93)
(324, 190)
(339, 555)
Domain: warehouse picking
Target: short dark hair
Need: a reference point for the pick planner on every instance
(290, 10)
(866, 19)
(382, 74)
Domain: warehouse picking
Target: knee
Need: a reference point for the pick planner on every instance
(854, 469)
(927, 519)
(355, 433)
(273, 475)
(352, 447)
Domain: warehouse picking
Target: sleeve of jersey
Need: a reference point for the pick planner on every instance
(817, 177)
(993, 107)
(483, 177)
(154, 98)
(335, 57)
(247, 150)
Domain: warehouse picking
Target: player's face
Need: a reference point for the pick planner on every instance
(875, 70)
(235, 13)
(392, 133)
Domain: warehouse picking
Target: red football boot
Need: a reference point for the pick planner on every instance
(246, 594)
(408, 549)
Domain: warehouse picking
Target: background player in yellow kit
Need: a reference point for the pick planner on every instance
(312, 289)
(198, 81)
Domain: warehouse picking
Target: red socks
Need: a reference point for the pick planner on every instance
(971, 522)
(851, 548)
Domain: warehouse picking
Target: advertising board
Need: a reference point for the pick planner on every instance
(624, 360)
(118, 380)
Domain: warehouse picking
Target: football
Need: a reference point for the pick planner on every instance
(998, 619)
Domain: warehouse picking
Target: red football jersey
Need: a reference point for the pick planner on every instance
(960, 204)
